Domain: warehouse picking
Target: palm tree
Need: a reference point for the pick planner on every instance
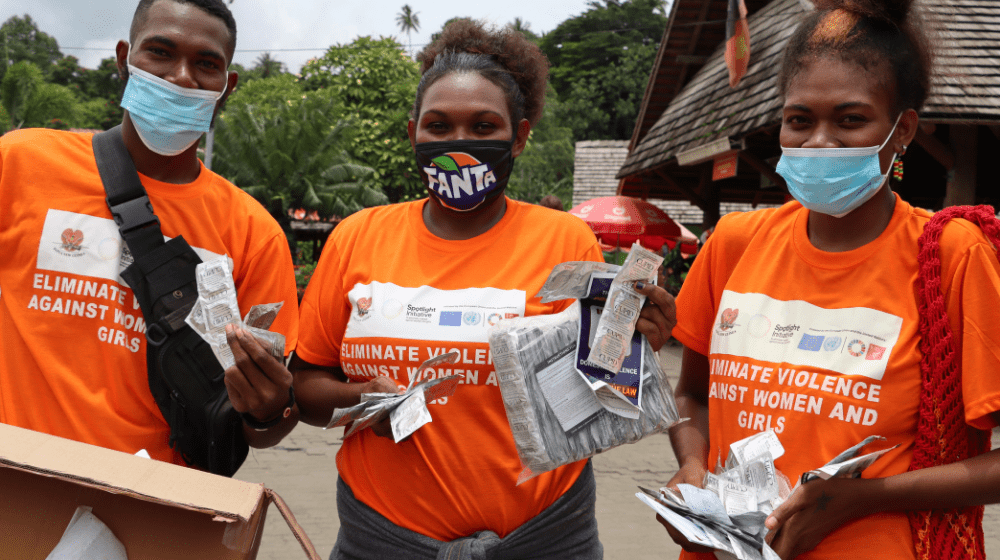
(524, 28)
(268, 66)
(293, 157)
(408, 21)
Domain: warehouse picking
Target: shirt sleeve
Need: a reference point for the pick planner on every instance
(269, 277)
(325, 311)
(973, 301)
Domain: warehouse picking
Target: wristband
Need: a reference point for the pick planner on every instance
(260, 425)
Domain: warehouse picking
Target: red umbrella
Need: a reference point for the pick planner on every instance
(622, 220)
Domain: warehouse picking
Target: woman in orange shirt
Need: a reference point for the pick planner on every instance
(806, 319)
(399, 284)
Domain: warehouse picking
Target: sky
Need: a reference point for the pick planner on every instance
(308, 26)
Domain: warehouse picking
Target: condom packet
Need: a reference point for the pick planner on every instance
(572, 280)
(217, 307)
(734, 502)
(262, 315)
(407, 411)
(621, 312)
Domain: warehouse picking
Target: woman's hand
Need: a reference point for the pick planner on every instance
(694, 474)
(813, 511)
(658, 315)
(382, 384)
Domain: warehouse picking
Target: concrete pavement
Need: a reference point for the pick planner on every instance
(303, 471)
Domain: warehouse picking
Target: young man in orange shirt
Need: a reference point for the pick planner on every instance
(73, 352)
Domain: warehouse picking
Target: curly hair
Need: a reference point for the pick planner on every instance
(502, 56)
(869, 33)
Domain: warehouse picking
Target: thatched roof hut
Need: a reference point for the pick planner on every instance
(690, 117)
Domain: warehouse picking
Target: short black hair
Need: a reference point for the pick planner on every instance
(216, 8)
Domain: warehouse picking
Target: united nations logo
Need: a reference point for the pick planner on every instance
(472, 318)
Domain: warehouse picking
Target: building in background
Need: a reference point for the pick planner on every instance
(700, 142)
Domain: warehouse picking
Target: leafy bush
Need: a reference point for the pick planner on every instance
(376, 81)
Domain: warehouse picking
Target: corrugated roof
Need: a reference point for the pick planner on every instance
(966, 80)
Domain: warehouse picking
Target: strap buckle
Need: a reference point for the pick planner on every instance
(133, 214)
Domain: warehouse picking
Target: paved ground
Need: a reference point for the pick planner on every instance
(302, 470)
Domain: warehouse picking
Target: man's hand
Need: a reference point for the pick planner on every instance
(258, 383)
(658, 315)
(382, 384)
(694, 475)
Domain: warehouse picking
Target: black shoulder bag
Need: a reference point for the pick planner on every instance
(185, 378)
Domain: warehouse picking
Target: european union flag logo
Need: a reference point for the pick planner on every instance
(451, 318)
(832, 343)
(811, 343)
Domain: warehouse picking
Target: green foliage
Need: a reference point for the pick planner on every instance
(66, 71)
(31, 102)
(546, 165)
(375, 81)
(266, 96)
(21, 40)
(267, 66)
(290, 154)
(605, 103)
(303, 274)
(601, 61)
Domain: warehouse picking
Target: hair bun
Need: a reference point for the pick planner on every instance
(521, 59)
(894, 11)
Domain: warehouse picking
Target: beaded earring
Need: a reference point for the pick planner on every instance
(897, 169)
(897, 166)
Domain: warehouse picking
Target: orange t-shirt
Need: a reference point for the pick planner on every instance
(72, 337)
(387, 295)
(823, 347)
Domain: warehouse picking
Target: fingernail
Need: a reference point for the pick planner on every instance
(229, 328)
(770, 523)
(640, 284)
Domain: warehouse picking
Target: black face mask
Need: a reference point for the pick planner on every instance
(465, 174)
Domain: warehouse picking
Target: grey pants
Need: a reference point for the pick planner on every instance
(565, 530)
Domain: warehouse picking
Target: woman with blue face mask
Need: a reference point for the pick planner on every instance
(399, 284)
(817, 320)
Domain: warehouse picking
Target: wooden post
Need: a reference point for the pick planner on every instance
(709, 191)
(961, 188)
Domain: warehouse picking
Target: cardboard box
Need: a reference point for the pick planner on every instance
(159, 511)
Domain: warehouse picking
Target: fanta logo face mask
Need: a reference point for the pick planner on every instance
(465, 174)
(168, 118)
(833, 181)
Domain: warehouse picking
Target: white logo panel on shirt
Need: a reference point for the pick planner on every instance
(849, 341)
(427, 313)
(88, 246)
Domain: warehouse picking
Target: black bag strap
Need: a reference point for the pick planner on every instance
(127, 198)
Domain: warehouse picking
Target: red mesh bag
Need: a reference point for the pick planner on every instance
(942, 435)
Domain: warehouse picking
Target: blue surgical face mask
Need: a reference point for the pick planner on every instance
(168, 118)
(833, 181)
